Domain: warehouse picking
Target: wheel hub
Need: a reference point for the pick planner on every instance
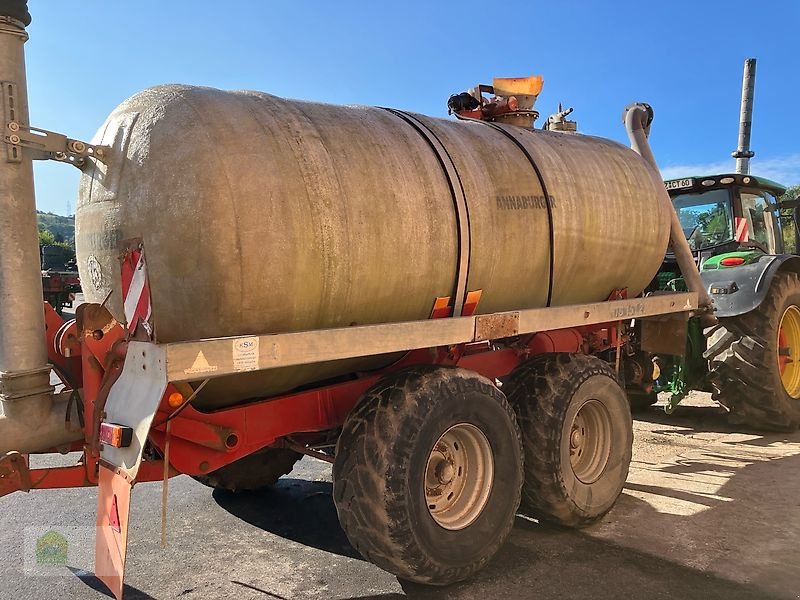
(590, 441)
(576, 438)
(459, 476)
(445, 472)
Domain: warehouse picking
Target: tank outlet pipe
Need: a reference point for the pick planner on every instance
(37, 428)
(26, 395)
(743, 154)
(637, 118)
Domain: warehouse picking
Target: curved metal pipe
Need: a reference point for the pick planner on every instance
(33, 427)
(637, 118)
(32, 418)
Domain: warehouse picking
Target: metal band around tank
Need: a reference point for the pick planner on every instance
(459, 201)
(547, 199)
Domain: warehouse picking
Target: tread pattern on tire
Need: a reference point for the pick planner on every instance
(256, 471)
(743, 365)
(544, 493)
(379, 531)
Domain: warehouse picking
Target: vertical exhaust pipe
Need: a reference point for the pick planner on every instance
(24, 372)
(743, 154)
(32, 419)
(637, 118)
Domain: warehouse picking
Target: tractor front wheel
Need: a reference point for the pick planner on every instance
(754, 360)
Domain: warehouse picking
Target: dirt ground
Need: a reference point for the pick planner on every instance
(710, 499)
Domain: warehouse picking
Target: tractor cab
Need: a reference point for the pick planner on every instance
(736, 215)
(744, 240)
(729, 220)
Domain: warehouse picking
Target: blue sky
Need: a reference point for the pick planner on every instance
(684, 58)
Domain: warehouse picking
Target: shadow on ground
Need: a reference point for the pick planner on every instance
(696, 419)
(731, 509)
(538, 561)
(295, 509)
(693, 421)
(92, 582)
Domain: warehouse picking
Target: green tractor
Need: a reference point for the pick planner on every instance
(745, 242)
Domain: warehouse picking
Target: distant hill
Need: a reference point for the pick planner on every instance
(62, 228)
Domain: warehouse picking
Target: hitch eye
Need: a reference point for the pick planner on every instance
(118, 436)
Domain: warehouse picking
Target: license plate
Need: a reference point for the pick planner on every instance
(678, 184)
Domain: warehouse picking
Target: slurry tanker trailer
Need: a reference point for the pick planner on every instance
(442, 309)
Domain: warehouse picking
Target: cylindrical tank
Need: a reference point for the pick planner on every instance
(265, 215)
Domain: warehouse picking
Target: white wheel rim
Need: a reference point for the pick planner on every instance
(459, 476)
(590, 441)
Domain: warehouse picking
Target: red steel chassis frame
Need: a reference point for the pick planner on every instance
(201, 442)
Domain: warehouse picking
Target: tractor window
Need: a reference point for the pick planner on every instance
(705, 217)
(757, 211)
(791, 242)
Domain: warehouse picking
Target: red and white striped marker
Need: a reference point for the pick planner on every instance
(136, 290)
(742, 234)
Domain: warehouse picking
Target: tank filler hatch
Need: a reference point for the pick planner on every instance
(511, 101)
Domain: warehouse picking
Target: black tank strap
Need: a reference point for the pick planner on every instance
(548, 200)
(459, 202)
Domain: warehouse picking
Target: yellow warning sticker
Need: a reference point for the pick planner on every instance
(200, 366)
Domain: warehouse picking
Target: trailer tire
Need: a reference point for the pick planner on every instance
(577, 433)
(255, 471)
(409, 497)
(744, 354)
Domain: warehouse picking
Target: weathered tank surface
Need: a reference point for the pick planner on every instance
(266, 215)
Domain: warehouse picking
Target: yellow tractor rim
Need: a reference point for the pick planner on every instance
(788, 350)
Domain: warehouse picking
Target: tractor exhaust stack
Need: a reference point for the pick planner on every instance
(29, 416)
(743, 154)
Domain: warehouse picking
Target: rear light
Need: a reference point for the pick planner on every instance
(118, 436)
(732, 261)
(175, 399)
